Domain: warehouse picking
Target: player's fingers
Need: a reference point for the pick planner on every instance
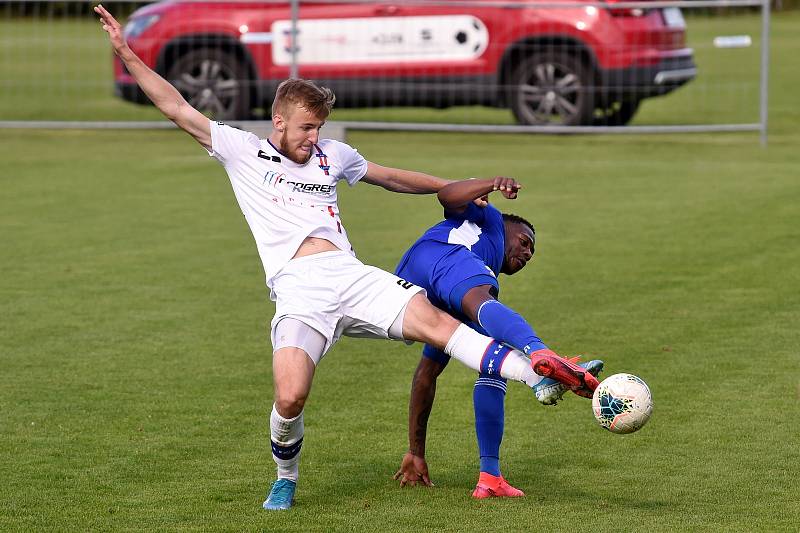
(509, 192)
(108, 18)
(426, 480)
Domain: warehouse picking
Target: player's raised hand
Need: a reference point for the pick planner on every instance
(111, 26)
(508, 187)
(413, 470)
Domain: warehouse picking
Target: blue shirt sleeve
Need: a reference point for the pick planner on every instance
(473, 213)
(492, 217)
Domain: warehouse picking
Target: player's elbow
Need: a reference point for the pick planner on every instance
(447, 199)
(442, 197)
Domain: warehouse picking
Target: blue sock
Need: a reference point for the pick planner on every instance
(488, 398)
(506, 325)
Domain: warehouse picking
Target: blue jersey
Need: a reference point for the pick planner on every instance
(463, 251)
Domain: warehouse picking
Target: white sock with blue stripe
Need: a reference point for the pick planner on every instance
(488, 356)
(286, 435)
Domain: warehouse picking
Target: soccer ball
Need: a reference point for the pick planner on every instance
(622, 403)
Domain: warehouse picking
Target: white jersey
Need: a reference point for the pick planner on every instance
(282, 201)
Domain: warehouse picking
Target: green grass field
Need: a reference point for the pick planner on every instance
(136, 376)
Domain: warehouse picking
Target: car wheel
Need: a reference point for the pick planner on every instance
(552, 88)
(616, 114)
(213, 82)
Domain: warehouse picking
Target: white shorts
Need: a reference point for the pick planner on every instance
(336, 294)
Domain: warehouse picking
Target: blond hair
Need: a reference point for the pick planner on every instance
(293, 92)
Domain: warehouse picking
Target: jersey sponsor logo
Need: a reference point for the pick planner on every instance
(318, 189)
(273, 177)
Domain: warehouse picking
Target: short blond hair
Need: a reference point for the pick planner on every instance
(293, 92)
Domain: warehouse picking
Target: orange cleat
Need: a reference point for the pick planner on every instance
(490, 486)
(565, 371)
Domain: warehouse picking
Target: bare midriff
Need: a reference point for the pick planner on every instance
(314, 245)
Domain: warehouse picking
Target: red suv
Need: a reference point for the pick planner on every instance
(571, 65)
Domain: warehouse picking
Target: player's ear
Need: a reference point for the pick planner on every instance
(278, 122)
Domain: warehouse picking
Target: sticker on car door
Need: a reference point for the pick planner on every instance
(448, 38)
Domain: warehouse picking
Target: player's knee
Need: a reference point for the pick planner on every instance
(289, 404)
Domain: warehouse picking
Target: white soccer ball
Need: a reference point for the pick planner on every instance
(622, 403)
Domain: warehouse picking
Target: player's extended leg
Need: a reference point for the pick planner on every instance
(488, 399)
(504, 323)
(297, 347)
(424, 322)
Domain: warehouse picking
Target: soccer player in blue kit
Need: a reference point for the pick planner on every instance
(457, 262)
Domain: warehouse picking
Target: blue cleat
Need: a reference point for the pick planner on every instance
(549, 391)
(281, 496)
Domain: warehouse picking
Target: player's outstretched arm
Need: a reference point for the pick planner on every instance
(457, 195)
(413, 468)
(399, 180)
(165, 97)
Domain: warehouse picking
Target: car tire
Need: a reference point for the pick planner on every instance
(552, 88)
(617, 114)
(214, 82)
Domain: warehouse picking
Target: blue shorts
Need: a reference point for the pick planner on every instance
(447, 272)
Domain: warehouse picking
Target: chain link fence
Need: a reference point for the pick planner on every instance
(550, 66)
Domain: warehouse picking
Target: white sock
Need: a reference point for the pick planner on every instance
(531, 378)
(469, 347)
(287, 439)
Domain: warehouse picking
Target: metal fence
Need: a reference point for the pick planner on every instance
(550, 66)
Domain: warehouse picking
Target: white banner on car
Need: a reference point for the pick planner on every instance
(381, 39)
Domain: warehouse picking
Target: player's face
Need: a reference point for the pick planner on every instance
(520, 244)
(300, 132)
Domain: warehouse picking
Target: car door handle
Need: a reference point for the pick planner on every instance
(387, 10)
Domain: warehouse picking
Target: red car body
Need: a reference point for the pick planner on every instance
(577, 64)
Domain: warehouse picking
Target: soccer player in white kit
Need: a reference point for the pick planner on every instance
(286, 188)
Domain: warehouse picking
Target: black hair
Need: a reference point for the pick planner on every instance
(508, 217)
